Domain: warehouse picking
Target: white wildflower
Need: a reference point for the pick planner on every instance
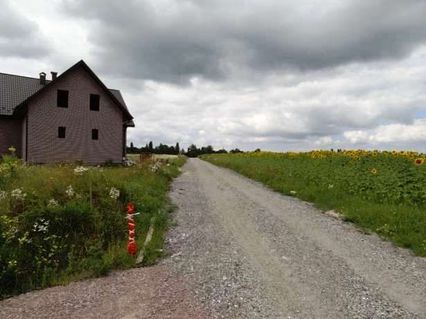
(52, 203)
(156, 166)
(114, 193)
(24, 239)
(70, 191)
(3, 194)
(41, 225)
(18, 194)
(79, 170)
(293, 192)
(128, 162)
(330, 186)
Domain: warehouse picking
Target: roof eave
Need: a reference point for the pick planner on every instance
(129, 123)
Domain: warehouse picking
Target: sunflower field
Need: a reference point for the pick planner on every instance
(381, 191)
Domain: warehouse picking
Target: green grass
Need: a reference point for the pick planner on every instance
(382, 192)
(50, 236)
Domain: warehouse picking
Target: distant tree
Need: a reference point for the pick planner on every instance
(236, 150)
(150, 147)
(193, 151)
(144, 149)
(132, 147)
(257, 150)
(177, 148)
(206, 150)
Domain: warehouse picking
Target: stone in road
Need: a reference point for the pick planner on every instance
(249, 252)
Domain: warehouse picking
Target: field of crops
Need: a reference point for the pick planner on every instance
(383, 192)
(61, 223)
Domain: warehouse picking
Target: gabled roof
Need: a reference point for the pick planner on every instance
(16, 91)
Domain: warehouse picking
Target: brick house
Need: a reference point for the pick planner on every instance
(73, 117)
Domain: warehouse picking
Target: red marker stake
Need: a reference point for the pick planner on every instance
(131, 246)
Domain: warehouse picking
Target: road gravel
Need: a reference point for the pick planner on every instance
(141, 293)
(249, 252)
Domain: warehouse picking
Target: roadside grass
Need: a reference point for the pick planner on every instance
(62, 223)
(382, 192)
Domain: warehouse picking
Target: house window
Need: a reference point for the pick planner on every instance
(62, 98)
(94, 102)
(95, 134)
(61, 131)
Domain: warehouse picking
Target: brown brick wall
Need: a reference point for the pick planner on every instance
(10, 135)
(44, 118)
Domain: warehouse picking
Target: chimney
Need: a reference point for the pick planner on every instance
(54, 75)
(43, 78)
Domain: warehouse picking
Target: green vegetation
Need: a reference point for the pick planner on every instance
(384, 192)
(63, 223)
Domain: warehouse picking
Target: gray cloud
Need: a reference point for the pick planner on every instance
(172, 41)
(273, 74)
(348, 107)
(20, 37)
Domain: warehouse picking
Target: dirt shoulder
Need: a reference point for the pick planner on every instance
(138, 293)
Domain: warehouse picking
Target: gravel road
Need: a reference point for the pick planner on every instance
(249, 252)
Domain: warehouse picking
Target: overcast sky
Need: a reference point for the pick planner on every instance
(269, 74)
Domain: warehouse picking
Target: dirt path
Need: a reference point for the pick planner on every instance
(252, 253)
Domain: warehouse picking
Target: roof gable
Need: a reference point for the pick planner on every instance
(17, 91)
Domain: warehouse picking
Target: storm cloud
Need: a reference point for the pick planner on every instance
(175, 40)
(19, 36)
(320, 109)
(270, 74)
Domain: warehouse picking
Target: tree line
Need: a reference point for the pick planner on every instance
(192, 151)
(159, 149)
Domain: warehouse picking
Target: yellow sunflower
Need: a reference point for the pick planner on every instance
(419, 161)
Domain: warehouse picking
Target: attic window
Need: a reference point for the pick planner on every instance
(95, 134)
(94, 102)
(61, 131)
(62, 98)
